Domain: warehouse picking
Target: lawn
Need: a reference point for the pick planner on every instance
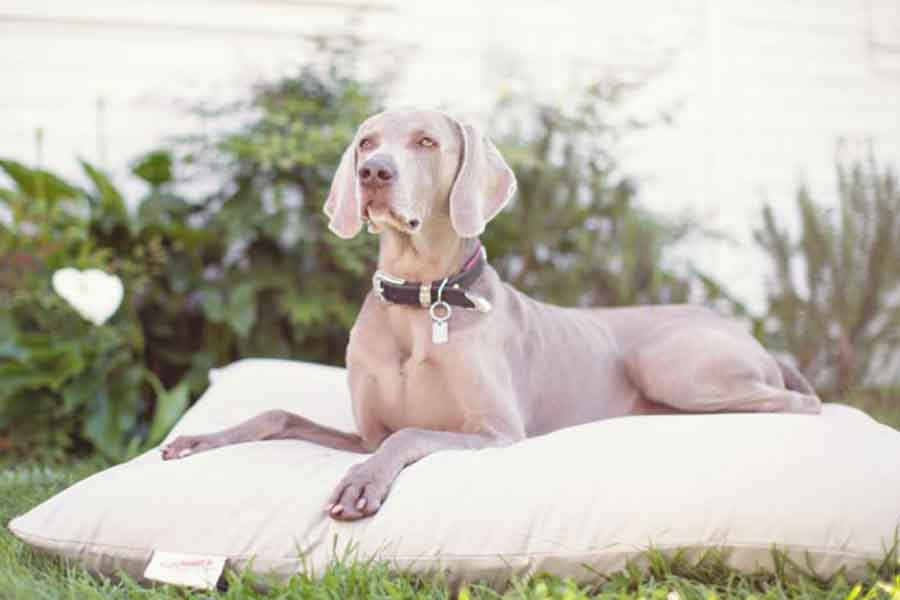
(27, 575)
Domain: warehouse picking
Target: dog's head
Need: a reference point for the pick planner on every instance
(407, 169)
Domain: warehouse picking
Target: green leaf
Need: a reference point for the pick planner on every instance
(16, 377)
(38, 183)
(10, 350)
(180, 273)
(107, 204)
(168, 212)
(213, 304)
(79, 392)
(197, 377)
(113, 412)
(306, 311)
(242, 309)
(154, 167)
(46, 365)
(170, 405)
(101, 427)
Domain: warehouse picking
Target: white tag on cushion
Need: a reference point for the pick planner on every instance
(193, 570)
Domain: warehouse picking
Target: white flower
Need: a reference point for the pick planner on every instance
(95, 295)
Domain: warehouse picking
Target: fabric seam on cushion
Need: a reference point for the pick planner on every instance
(743, 545)
(795, 548)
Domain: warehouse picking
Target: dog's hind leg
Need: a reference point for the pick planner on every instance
(699, 370)
(756, 397)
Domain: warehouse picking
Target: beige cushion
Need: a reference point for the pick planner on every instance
(823, 488)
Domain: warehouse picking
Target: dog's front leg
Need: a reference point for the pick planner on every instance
(365, 486)
(270, 425)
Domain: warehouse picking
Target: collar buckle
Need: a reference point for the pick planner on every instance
(481, 304)
(379, 278)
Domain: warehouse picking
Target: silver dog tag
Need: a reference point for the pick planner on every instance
(439, 329)
(439, 333)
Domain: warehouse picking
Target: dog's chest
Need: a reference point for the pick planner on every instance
(404, 377)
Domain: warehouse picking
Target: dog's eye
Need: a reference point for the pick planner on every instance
(427, 142)
(365, 143)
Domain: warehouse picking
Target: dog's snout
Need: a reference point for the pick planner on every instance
(377, 171)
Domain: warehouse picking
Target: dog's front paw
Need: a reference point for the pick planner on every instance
(360, 493)
(185, 445)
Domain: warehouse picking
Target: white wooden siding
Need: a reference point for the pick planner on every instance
(765, 89)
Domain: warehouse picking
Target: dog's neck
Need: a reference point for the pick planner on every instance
(431, 255)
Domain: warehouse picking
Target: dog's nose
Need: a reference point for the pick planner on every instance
(377, 171)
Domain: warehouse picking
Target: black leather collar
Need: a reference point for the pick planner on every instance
(452, 290)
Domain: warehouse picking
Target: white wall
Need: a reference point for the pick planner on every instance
(765, 89)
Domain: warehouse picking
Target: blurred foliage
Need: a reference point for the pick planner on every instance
(250, 268)
(62, 379)
(574, 234)
(834, 302)
(277, 282)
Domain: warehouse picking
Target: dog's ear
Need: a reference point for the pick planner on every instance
(342, 205)
(483, 186)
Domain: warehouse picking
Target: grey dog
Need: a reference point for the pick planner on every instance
(444, 355)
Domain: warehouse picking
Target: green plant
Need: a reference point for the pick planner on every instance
(249, 269)
(62, 378)
(834, 300)
(276, 281)
(575, 233)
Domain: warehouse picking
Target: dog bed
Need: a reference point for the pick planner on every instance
(823, 489)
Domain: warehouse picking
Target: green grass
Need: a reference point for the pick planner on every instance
(28, 575)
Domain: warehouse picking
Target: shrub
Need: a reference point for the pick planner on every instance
(834, 301)
(249, 269)
(575, 233)
(63, 379)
